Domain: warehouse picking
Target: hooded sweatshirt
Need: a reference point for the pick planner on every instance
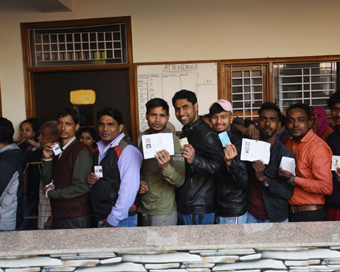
(11, 187)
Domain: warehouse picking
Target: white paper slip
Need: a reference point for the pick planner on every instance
(56, 149)
(253, 150)
(98, 170)
(156, 142)
(288, 164)
(183, 141)
(335, 162)
(49, 183)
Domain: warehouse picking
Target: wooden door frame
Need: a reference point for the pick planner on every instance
(29, 70)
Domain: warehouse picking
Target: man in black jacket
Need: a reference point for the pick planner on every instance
(232, 189)
(333, 140)
(204, 162)
(269, 193)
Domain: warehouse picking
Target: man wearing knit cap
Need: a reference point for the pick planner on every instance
(232, 189)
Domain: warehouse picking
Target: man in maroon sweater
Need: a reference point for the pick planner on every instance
(68, 171)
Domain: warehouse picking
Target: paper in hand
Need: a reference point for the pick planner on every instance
(335, 162)
(224, 138)
(183, 141)
(288, 164)
(153, 143)
(98, 170)
(56, 149)
(253, 150)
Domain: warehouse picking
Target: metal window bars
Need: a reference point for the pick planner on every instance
(247, 92)
(81, 45)
(309, 83)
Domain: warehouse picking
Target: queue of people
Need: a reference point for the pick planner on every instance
(71, 181)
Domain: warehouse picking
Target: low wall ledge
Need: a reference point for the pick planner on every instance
(175, 238)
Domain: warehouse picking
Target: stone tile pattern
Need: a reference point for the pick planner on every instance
(241, 260)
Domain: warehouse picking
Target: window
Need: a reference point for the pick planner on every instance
(247, 83)
(310, 83)
(78, 45)
(247, 89)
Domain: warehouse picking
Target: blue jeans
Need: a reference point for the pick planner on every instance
(199, 219)
(232, 220)
(252, 219)
(131, 221)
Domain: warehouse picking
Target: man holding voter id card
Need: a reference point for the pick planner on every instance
(115, 180)
(204, 161)
(162, 171)
(65, 170)
(313, 179)
(269, 192)
(232, 189)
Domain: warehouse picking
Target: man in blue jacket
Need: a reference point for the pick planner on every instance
(11, 182)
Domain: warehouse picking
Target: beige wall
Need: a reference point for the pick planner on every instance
(177, 30)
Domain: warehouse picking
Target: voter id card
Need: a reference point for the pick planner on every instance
(98, 170)
(56, 149)
(224, 138)
(183, 141)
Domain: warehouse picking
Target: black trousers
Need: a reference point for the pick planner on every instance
(307, 216)
(72, 223)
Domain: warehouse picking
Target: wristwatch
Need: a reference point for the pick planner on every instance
(291, 180)
(266, 183)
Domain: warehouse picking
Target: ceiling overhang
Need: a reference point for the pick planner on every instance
(53, 5)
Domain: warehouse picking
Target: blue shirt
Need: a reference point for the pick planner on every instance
(129, 165)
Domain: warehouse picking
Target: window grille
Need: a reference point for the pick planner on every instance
(309, 83)
(79, 45)
(248, 85)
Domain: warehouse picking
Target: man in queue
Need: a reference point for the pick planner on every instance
(313, 180)
(204, 162)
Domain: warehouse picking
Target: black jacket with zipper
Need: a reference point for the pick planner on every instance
(232, 190)
(197, 194)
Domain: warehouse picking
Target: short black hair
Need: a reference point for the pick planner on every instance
(283, 120)
(185, 94)
(155, 103)
(333, 99)
(114, 113)
(305, 107)
(270, 106)
(215, 108)
(6, 131)
(69, 111)
(248, 122)
(33, 122)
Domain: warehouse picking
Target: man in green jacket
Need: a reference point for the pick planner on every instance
(160, 175)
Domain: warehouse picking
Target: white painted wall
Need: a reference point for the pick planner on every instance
(178, 30)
